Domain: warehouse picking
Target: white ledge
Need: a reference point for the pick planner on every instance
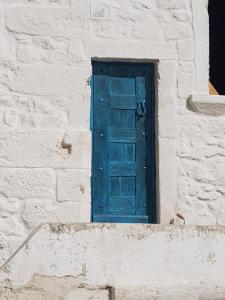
(121, 255)
(207, 104)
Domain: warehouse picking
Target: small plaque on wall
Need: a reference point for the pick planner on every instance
(100, 11)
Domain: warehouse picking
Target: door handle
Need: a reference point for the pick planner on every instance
(141, 109)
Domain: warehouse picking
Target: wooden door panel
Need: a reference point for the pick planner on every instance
(121, 152)
(122, 135)
(122, 169)
(122, 119)
(122, 102)
(122, 85)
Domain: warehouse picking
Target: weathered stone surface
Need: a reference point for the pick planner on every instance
(32, 49)
(166, 167)
(9, 206)
(133, 50)
(185, 50)
(176, 292)
(37, 2)
(187, 67)
(60, 22)
(208, 105)
(73, 185)
(174, 31)
(51, 80)
(12, 229)
(201, 159)
(45, 288)
(171, 4)
(76, 53)
(25, 183)
(167, 100)
(45, 149)
(84, 294)
(58, 261)
(7, 74)
(28, 112)
(36, 211)
(185, 82)
(181, 16)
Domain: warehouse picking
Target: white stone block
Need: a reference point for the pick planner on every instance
(182, 16)
(176, 31)
(167, 100)
(42, 49)
(54, 3)
(85, 294)
(185, 50)
(167, 172)
(70, 211)
(50, 80)
(36, 211)
(12, 233)
(73, 185)
(172, 4)
(187, 67)
(185, 83)
(9, 207)
(24, 112)
(132, 50)
(27, 183)
(76, 53)
(79, 111)
(45, 149)
(60, 22)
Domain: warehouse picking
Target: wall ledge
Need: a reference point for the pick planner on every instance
(213, 105)
(119, 255)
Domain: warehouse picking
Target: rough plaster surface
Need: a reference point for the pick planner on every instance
(117, 262)
(45, 107)
(208, 105)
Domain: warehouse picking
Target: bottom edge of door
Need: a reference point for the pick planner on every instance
(120, 219)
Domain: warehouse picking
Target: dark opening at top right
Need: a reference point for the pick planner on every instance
(217, 44)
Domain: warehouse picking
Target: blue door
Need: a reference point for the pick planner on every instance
(123, 175)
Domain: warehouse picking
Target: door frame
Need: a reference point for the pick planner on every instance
(154, 215)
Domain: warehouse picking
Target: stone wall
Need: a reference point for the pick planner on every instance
(117, 262)
(45, 107)
(201, 155)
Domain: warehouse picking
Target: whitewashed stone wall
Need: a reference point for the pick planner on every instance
(46, 47)
(117, 262)
(201, 189)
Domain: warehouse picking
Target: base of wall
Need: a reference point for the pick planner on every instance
(117, 261)
(52, 288)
